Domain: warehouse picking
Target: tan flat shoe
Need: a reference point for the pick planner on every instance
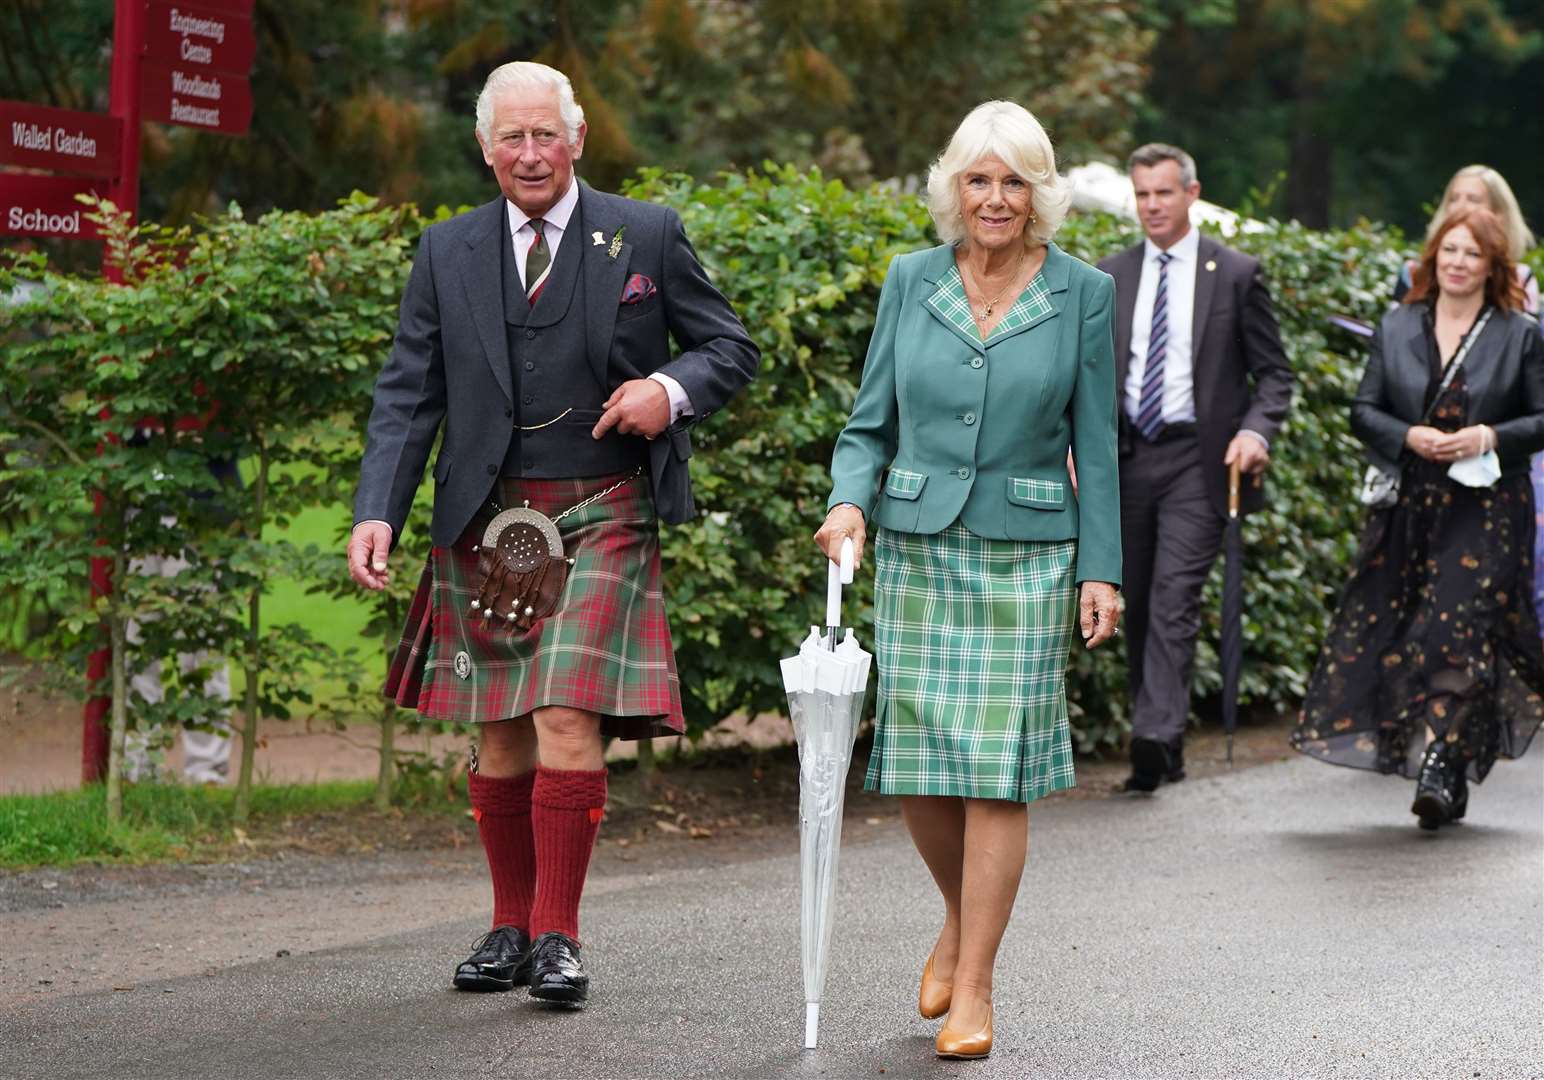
(934, 996)
(965, 1045)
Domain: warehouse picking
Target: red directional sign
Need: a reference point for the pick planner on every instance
(198, 99)
(42, 138)
(43, 206)
(199, 37)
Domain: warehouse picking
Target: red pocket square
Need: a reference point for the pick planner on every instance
(637, 289)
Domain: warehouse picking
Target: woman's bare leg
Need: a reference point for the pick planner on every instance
(996, 841)
(937, 827)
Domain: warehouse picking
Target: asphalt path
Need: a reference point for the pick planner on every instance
(1284, 921)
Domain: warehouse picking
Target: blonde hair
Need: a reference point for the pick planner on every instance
(528, 75)
(1009, 132)
(1503, 204)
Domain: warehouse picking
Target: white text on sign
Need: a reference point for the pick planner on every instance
(58, 140)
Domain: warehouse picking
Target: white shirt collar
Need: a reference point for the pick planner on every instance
(1184, 249)
(558, 216)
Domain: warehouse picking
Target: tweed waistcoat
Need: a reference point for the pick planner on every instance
(558, 400)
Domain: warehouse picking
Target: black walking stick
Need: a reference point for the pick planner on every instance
(1231, 647)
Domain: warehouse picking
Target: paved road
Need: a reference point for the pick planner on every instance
(1287, 921)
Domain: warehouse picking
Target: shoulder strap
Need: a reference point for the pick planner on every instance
(1458, 358)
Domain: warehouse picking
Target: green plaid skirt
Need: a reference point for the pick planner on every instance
(972, 638)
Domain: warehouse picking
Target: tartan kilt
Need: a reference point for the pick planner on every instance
(606, 649)
(972, 639)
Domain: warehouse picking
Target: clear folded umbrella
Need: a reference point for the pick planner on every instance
(825, 684)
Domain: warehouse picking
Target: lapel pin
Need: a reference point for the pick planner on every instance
(596, 239)
(1211, 264)
(616, 244)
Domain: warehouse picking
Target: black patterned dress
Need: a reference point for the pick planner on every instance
(1436, 630)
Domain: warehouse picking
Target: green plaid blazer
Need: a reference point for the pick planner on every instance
(947, 426)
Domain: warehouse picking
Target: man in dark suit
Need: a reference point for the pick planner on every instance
(1194, 328)
(535, 331)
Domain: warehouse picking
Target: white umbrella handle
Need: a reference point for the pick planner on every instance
(836, 577)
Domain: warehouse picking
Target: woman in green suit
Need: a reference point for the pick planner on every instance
(992, 356)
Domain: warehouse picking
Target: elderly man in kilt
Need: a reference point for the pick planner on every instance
(535, 331)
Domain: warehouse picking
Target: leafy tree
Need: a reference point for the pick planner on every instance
(1366, 106)
(273, 330)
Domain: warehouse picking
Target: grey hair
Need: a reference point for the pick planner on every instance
(1519, 238)
(1009, 132)
(1155, 152)
(528, 75)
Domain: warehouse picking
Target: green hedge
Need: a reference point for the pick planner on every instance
(802, 258)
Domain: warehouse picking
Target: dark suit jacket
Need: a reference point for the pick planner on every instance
(1234, 339)
(450, 360)
(1504, 374)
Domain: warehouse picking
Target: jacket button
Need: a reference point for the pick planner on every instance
(511, 412)
(528, 465)
(493, 470)
(530, 366)
(530, 335)
(962, 472)
(976, 361)
(969, 418)
(530, 398)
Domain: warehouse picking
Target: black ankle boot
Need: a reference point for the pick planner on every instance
(1439, 797)
(1460, 793)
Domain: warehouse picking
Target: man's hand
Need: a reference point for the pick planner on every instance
(1249, 452)
(637, 407)
(1098, 612)
(368, 546)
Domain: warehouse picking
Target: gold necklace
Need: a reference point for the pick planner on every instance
(986, 312)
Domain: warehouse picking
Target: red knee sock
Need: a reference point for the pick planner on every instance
(502, 807)
(566, 808)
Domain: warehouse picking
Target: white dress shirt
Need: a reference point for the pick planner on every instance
(1179, 399)
(554, 228)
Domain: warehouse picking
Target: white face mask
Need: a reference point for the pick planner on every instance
(1480, 471)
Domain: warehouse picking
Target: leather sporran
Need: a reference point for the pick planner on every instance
(521, 569)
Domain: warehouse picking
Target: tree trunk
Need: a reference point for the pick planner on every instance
(1309, 177)
(646, 765)
(118, 631)
(383, 778)
(254, 659)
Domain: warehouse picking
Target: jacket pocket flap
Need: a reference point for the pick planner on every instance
(441, 467)
(1044, 494)
(904, 484)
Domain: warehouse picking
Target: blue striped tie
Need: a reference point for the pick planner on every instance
(1150, 404)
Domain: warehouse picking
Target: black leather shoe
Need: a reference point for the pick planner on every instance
(557, 974)
(1176, 771)
(1437, 787)
(500, 959)
(1150, 764)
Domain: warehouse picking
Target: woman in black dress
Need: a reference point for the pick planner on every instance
(1433, 666)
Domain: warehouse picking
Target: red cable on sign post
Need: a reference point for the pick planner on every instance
(123, 190)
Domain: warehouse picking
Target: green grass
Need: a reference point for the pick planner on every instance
(160, 821)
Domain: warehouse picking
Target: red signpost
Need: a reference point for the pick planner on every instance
(202, 99)
(200, 38)
(44, 206)
(37, 137)
(196, 77)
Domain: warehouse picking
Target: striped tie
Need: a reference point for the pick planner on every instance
(1150, 404)
(538, 262)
